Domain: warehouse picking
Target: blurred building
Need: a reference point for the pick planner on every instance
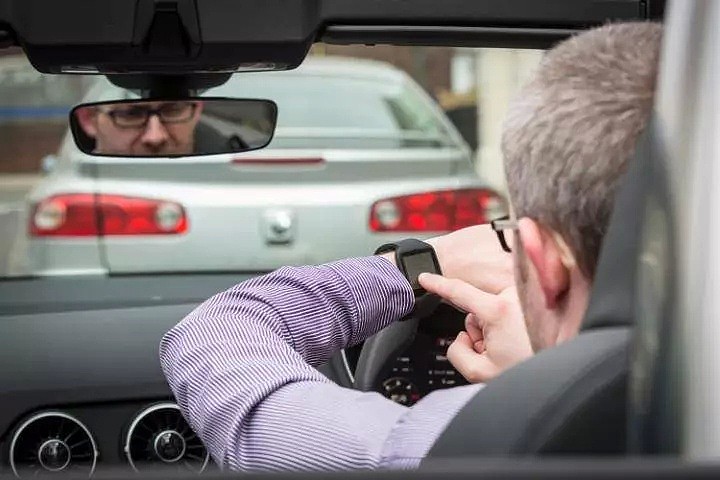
(33, 112)
(499, 74)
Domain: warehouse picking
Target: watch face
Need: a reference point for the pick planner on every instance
(417, 263)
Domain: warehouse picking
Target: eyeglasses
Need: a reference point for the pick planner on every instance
(138, 116)
(500, 225)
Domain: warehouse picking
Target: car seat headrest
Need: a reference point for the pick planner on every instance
(614, 287)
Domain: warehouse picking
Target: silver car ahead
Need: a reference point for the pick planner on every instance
(361, 155)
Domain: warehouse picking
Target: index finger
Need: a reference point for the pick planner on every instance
(459, 293)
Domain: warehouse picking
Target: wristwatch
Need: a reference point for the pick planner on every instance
(414, 257)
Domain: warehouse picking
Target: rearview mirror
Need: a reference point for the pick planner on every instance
(171, 128)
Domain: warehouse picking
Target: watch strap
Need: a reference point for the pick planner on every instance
(425, 303)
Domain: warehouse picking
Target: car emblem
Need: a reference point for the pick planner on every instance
(279, 226)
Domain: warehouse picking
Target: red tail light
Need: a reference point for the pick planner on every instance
(86, 214)
(436, 211)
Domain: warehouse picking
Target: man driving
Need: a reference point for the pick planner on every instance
(141, 128)
(241, 365)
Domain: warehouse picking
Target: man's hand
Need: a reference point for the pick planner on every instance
(495, 336)
(474, 255)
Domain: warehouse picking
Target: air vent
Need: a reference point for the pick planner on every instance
(52, 442)
(159, 435)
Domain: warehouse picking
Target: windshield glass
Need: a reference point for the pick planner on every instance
(362, 134)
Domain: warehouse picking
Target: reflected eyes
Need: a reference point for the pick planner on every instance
(129, 115)
(138, 116)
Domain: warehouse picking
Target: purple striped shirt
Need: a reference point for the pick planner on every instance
(241, 366)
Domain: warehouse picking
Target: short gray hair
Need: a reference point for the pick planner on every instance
(569, 135)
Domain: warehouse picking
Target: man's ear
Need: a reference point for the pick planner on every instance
(85, 116)
(548, 259)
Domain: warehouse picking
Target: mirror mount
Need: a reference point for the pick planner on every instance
(168, 28)
(168, 86)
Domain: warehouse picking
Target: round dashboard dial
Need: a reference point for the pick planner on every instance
(401, 390)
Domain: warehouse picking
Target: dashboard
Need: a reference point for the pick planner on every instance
(83, 391)
(81, 383)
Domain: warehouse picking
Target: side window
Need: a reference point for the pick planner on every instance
(413, 114)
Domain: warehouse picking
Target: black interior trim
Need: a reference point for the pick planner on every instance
(503, 37)
(224, 34)
(488, 468)
(79, 293)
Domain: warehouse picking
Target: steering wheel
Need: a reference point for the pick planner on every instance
(407, 360)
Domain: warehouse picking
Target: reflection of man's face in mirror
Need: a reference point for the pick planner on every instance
(141, 128)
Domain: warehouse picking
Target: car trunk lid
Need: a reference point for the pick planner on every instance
(258, 211)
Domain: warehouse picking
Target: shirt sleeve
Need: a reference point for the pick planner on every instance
(241, 367)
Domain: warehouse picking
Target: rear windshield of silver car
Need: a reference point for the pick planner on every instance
(352, 113)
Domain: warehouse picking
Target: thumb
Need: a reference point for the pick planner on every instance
(475, 332)
(475, 367)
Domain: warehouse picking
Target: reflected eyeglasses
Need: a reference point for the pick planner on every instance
(500, 225)
(138, 117)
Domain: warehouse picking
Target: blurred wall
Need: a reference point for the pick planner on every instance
(23, 146)
(499, 75)
(33, 112)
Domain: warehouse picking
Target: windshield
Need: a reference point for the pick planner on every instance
(363, 134)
